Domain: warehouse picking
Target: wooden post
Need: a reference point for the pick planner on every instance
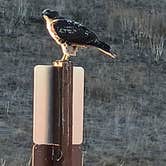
(57, 139)
(62, 99)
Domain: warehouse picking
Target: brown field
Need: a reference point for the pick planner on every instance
(125, 107)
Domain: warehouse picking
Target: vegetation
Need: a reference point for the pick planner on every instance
(124, 98)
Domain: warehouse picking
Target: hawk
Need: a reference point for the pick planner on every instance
(71, 35)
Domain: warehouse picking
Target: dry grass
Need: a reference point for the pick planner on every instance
(124, 98)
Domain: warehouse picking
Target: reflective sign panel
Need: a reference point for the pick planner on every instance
(43, 104)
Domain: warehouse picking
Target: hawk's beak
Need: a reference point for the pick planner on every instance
(44, 13)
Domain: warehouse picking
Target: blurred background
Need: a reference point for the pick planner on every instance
(125, 107)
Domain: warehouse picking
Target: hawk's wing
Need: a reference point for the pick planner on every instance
(74, 33)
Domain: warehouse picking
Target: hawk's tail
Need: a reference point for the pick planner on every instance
(105, 48)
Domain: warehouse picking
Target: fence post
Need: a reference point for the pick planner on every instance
(62, 99)
(53, 116)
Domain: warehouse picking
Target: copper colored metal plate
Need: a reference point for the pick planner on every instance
(77, 159)
(47, 155)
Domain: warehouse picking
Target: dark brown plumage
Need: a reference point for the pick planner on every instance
(71, 35)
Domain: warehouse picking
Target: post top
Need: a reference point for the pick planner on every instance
(59, 63)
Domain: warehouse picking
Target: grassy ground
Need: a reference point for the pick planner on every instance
(125, 115)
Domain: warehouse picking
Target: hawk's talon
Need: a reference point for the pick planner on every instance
(58, 63)
(65, 57)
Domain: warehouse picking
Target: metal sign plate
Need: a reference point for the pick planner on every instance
(42, 104)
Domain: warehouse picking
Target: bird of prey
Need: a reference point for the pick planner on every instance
(71, 35)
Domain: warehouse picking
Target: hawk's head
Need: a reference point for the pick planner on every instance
(50, 13)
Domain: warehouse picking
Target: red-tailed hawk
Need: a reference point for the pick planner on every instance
(71, 35)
